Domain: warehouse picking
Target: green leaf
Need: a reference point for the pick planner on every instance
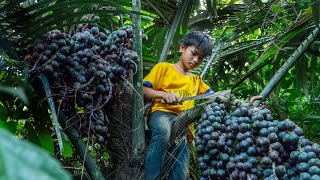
(242, 47)
(21, 160)
(313, 117)
(3, 113)
(17, 91)
(11, 126)
(40, 137)
(46, 142)
(3, 125)
(158, 11)
(287, 82)
(106, 155)
(67, 151)
(315, 5)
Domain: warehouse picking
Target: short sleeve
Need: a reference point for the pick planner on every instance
(203, 87)
(154, 76)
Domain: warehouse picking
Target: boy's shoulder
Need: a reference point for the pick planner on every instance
(163, 64)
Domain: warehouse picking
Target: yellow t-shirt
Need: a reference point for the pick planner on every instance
(164, 77)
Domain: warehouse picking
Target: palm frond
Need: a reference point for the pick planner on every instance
(24, 25)
(316, 10)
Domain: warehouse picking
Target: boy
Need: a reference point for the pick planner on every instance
(172, 82)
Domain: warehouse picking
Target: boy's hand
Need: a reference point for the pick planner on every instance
(253, 98)
(171, 98)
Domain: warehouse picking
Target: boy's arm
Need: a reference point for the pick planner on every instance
(170, 98)
(150, 93)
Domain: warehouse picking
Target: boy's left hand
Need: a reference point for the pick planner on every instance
(254, 98)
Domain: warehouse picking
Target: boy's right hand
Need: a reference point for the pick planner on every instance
(171, 98)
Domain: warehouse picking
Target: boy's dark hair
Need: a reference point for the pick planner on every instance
(199, 40)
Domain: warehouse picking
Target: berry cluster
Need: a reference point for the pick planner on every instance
(249, 144)
(82, 70)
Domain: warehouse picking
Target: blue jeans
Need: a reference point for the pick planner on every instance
(160, 125)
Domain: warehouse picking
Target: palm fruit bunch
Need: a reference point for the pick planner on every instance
(247, 143)
(82, 70)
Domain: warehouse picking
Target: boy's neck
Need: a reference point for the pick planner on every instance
(180, 68)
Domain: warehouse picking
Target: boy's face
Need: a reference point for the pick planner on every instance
(191, 56)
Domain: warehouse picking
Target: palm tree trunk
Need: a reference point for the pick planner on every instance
(138, 136)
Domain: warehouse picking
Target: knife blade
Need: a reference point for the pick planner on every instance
(203, 96)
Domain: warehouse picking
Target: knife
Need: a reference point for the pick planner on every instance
(203, 96)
